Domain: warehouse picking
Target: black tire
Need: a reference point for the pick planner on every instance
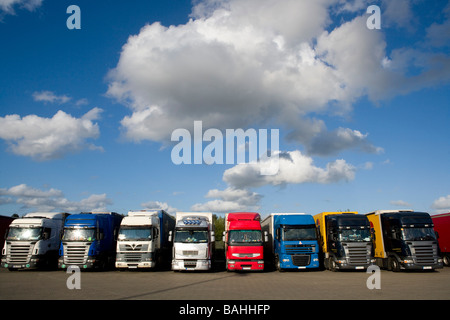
(332, 265)
(394, 265)
(446, 260)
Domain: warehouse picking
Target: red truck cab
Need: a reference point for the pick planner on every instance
(244, 241)
(442, 227)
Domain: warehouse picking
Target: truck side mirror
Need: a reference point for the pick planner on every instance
(213, 238)
(170, 236)
(223, 237)
(266, 236)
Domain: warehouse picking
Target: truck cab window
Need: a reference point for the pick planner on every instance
(418, 234)
(135, 234)
(24, 234)
(76, 234)
(197, 236)
(355, 235)
(245, 236)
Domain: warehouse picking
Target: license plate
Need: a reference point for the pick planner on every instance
(359, 268)
(427, 268)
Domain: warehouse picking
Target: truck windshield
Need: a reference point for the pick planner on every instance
(196, 236)
(24, 234)
(87, 234)
(296, 234)
(245, 236)
(417, 234)
(135, 233)
(354, 235)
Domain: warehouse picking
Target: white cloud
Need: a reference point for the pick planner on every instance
(442, 204)
(49, 96)
(158, 205)
(230, 200)
(240, 64)
(245, 63)
(331, 142)
(400, 203)
(49, 138)
(8, 6)
(294, 168)
(51, 200)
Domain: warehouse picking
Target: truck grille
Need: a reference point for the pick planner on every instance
(357, 253)
(19, 253)
(190, 263)
(301, 260)
(300, 248)
(424, 253)
(133, 257)
(133, 252)
(133, 247)
(75, 253)
(190, 253)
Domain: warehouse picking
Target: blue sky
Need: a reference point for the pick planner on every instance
(86, 115)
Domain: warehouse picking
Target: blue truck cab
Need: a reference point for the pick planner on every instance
(292, 241)
(89, 240)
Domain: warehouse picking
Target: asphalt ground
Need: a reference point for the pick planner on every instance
(223, 285)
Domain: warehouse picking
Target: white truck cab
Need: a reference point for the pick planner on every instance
(193, 243)
(33, 241)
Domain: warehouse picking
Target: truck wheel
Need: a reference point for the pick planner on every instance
(394, 265)
(278, 264)
(332, 265)
(446, 260)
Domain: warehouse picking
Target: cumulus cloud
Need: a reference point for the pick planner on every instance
(238, 63)
(442, 204)
(331, 142)
(230, 200)
(158, 205)
(294, 168)
(51, 200)
(49, 138)
(400, 203)
(9, 6)
(246, 63)
(49, 96)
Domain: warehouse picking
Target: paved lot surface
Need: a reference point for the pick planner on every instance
(222, 285)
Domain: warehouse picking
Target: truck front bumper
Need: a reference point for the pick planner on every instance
(135, 265)
(141, 260)
(409, 264)
(343, 264)
(34, 262)
(245, 265)
(191, 265)
(90, 263)
(299, 261)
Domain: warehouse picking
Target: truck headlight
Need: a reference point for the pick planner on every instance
(408, 261)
